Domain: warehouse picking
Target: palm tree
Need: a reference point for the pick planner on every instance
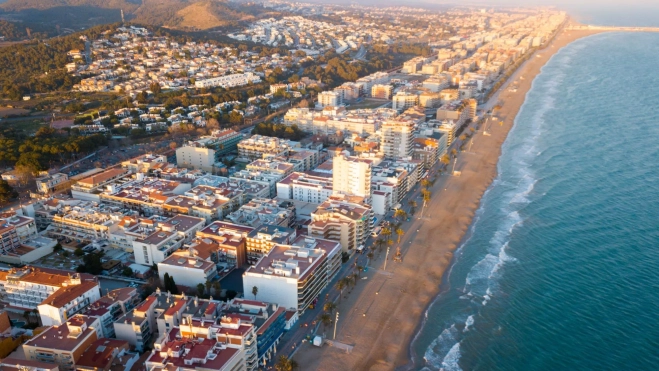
(340, 286)
(380, 242)
(425, 183)
(255, 290)
(286, 364)
(413, 205)
(217, 287)
(386, 232)
(360, 269)
(326, 319)
(426, 196)
(329, 307)
(370, 256)
(445, 160)
(399, 232)
(208, 285)
(400, 214)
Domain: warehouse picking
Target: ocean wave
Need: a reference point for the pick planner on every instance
(440, 348)
(468, 323)
(452, 359)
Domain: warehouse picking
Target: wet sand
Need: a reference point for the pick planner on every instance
(382, 313)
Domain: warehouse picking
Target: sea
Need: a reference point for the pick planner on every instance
(560, 267)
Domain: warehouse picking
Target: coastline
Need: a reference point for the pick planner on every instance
(383, 315)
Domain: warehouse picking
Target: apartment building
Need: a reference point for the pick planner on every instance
(305, 187)
(223, 243)
(397, 138)
(49, 183)
(228, 81)
(448, 128)
(382, 91)
(404, 100)
(225, 141)
(294, 275)
(112, 306)
(347, 220)
(86, 221)
(105, 355)
(242, 190)
(146, 195)
(138, 326)
(187, 268)
(159, 239)
(67, 301)
(63, 345)
(429, 100)
(456, 111)
(436, 83)
(15, 230)
(90, 188)
(258, 145)
(262, 239)
(195, 354)
(352, 175)
(30, 287)
(261, 211)
(429, 149)
(329, 99)
(196, 155)
(146, 163)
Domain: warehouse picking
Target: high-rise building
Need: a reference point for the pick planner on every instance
(397, 138)
(352, 176)
(382, 91)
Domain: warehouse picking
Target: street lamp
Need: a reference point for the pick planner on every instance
(335, 322)
(386, 258)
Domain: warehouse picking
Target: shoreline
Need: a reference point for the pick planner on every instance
(384, 315)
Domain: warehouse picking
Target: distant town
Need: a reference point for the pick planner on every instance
(211, 231)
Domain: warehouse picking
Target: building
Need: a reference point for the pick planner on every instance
(404, 100)
(63, 345)
(429, 100)
(448, 128)
(49, 183)
(146, 195)
(89, 188)
(196, 155)
(16, 230)
(159, 239)
(397, 138)
(262, 239)
(187, 268)
(258, 146)
(226, 141)
(342, 219)
(413, 65)
(29, 287)
(382, 91)
(294, 275)
(261, 211)
(329, 99)
(352, 176)
(86, 221)
(146, 163)
(456, 111)
(228, 81)
(223, 243)
(112, 306)
(430, 149)
(105, 355)
(305, 187)
(436, 83)
(67, 301)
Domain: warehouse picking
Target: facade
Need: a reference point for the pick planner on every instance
(67, 301)
(397, 138)
(86, 221)
(305, 187)
(262, 239)
(89, 188)
(344, 220)
(228, 81)
(261, 211)
(382, 91)
(257, 146)
(158, 240)
(448, 128)
(329, 99)
(47, 184)
(223, 243)
(294, 275)
(456, 111)
(404, 100)
(63, 345)
(196, 155)
(352, 176)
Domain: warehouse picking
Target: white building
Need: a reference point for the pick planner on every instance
(196, 155)
(160, 239)
(187, 269)
(294, 275)
(329, 98)
(67, 301)
(305, 187)
(352, 176)
(397, 138)
(48, 183)
(404, 100)
(228, 81)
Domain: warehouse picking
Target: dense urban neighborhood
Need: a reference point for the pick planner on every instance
(191, 204)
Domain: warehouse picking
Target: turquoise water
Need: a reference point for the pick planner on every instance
(560, 269)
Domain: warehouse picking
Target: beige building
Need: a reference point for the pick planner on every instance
(404, 100)
(397, 138)
(196, 155)
(352, 175)
(382, 91)
(345, 220)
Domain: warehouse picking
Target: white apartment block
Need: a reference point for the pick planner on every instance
(436, 83)
(305, 187)
(352, 176)
(397, 138)
(228, 81)
(329, 98)
(346, 220)
(404, 100)
(294, 275)
(382, 91)
(196, 155)
(259, 146)
(48, 183)
(187, 269)
(158, 240)
(67, 301)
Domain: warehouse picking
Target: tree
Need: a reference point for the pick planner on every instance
(57, 247)
(329, 307)
(370, 255)
(400, 214)
(360, 269)
(445, 160)
(208, 285)
(212, 123)
(340, 285)
(172, 145)
(413, 206)
(217, 287)
(255, 290)
(286, 364)
(425, 183)
(387, 233)
(380, 242)
(399, 232)
(326, 320)
(155, 88)
(127, 271)
(7, 193)
(78, 252)
(200, 289)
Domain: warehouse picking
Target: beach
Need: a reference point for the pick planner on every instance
(382, 314)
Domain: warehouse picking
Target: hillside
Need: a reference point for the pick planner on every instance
(175, 14)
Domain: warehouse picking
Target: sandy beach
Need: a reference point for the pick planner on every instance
(382, 313)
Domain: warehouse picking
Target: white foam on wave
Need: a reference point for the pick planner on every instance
(469, 323)
(452, 359)
(439, 349)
